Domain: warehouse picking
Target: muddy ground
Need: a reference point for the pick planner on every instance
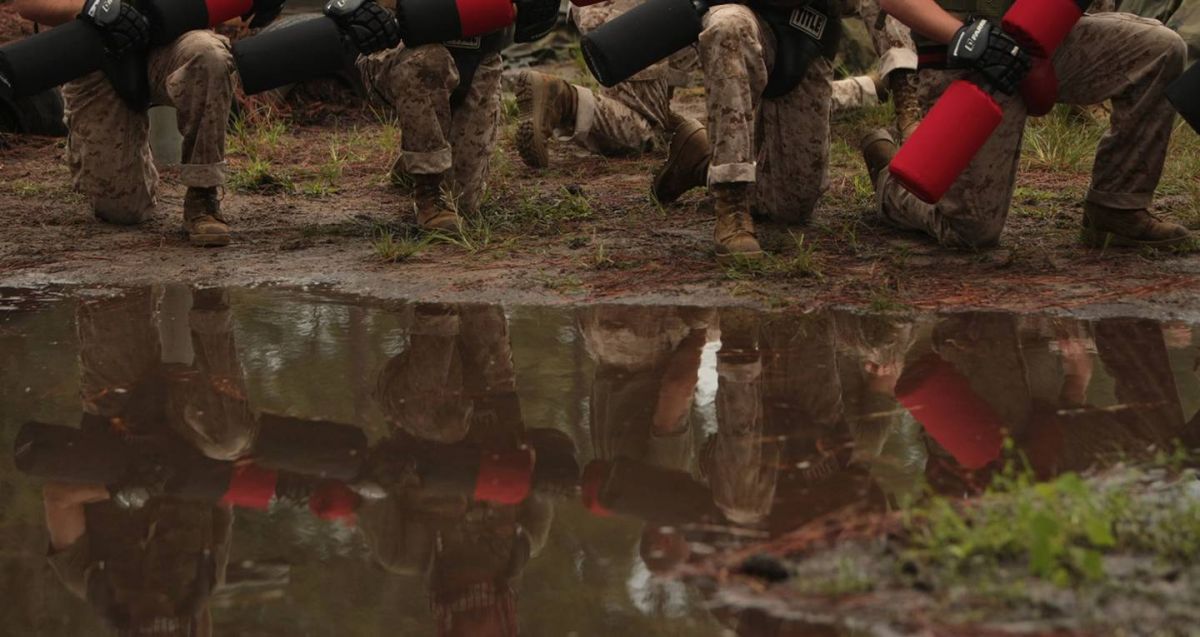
(310, 199)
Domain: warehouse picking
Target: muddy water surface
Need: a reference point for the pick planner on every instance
(292, 462)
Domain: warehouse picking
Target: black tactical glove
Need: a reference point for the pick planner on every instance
(124, 29)
(263, 12)
(146, 478)
(981, 45)
(369, 26)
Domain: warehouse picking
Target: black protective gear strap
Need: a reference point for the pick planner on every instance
(124, 28)
(130, 79)
(982, 46)
(468, 54)
(801, 36)
(368, 26)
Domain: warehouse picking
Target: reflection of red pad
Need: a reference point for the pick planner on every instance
(942, 400)
(333, 500)
(947, 140)
(251, 487)
(595, 475)
(224, 10)
(505, 477)
(1041, 25)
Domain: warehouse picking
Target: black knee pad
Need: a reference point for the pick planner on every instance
(641, 37)
(303, 50)
(51, 58)
(1184, 94)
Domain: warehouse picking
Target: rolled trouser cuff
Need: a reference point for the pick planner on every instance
(202, 175)
(585, 114)
(744, 173)
(1121, 200)
(427, 163)
(897, 59)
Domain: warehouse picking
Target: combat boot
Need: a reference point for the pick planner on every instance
(687, 162)
(435, 212)
(202, 219)
(733, 235)
(1109, 227)
(877, 148)
(903, 88)
(544, 103)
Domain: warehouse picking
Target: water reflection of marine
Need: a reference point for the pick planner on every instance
(983, 376)
(151, 570)
(453, 390)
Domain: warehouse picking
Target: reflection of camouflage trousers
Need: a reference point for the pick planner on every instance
(436, 138)
(108, 148)
(782, 144)
(187, 364)
(1113, 56)
(456, 373)
(629, 117)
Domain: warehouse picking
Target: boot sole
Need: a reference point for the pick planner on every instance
(531, 144)
(1094, 238)
(656, 189)
(209, 240)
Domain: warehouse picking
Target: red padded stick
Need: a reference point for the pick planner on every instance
(480, 17)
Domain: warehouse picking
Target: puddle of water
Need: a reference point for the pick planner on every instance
(422, 469)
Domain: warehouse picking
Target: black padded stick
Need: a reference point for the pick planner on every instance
(639, 38)
(1184, 94)
(302, 51)
(52, 58)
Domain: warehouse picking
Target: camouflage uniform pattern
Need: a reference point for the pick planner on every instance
(108, 147)
(1112, 56)
(1182, 16)
(893, 44)
(781, 145)
(630, 117)
(436, 138)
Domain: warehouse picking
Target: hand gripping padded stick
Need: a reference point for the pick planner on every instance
(72, 50)
(641, 37)
(965, 117)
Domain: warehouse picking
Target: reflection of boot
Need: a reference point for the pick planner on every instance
(1104, 227)
(687, 162)
(545, 103)
(903, 87)
(877, 148)
(202, 218)
(434, 211)
(734, 232)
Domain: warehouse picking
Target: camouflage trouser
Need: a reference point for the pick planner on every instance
(630, 117)
(108, 149)
(1182, 16)
(893, 44)
(1115, 56)
(893, 41)
(781, 145)
(854, 92)
(436, 138)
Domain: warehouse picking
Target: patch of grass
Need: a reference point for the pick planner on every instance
(390, 248)
(586, 79)
(258, 175)
(1059, 530)
(884, 301)
(27, 188)
(801, 262)
(538, 213)
(1061, 141)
